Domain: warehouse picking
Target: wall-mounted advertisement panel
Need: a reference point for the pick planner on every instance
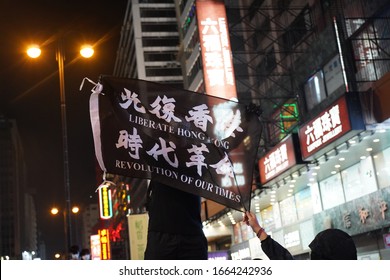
(304, 205)
(315, 197)
(359, 179)
(288, 211)
(271, 218)
(382, 165)
(314, 90)
(332, 193)
(334, 75)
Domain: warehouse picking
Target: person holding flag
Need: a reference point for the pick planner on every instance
(175, 227)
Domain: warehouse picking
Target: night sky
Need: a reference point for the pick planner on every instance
(29, 93)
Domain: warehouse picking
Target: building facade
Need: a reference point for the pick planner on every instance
(18, 223)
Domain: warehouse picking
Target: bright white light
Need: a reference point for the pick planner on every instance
(87, 51)
(34, 51)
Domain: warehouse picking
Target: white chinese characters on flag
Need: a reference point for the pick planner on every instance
(190, 141)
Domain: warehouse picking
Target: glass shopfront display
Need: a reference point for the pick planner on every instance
(332, 193)
(304, 204)
(288, 211)
(271, 217)
(359, 179)
(382, 166)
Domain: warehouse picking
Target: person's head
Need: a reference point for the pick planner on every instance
(333, 244)
(74, 252)
(85, 254)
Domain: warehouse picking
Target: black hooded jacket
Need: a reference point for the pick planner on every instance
(330, 244)
(274, 250)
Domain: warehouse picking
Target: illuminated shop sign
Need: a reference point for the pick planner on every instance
(105, 202)
(105, 253)
(279, 159)
(95, 247)
(218, 255)
(216, 51)
(328, 126)
(240, 251)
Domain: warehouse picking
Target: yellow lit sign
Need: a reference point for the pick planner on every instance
(105, 250)
(105, 202)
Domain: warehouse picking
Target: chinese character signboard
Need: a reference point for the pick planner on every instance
(138, 231)
(364, 214)
(105, 249)
(95, 247)
(194, 142)
(216, 51)
(281, 158)
(336, 121)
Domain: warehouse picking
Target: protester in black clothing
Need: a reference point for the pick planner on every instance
(175, 228)
(330, 244)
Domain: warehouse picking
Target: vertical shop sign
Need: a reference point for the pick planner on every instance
(138, 231)
(95, 247)
(105, 202)
(216, 50)
(105, 253)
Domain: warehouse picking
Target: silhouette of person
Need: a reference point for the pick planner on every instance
(175, 228)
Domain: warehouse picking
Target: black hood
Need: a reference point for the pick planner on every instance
(333, 244)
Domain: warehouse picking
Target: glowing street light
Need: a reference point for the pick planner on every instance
(34, 51)
(75, 210)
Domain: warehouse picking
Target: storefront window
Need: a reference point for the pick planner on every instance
(288, 211)
(332, 191)
(359, 179)
(304, 204)
(382, 165)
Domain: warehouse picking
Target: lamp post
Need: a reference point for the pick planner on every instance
(67, 216)
(86, 51)
(66, 213)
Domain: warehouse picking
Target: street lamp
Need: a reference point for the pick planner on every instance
(73, 210)
(86, 51)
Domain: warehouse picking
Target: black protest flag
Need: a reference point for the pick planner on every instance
(194, 142)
